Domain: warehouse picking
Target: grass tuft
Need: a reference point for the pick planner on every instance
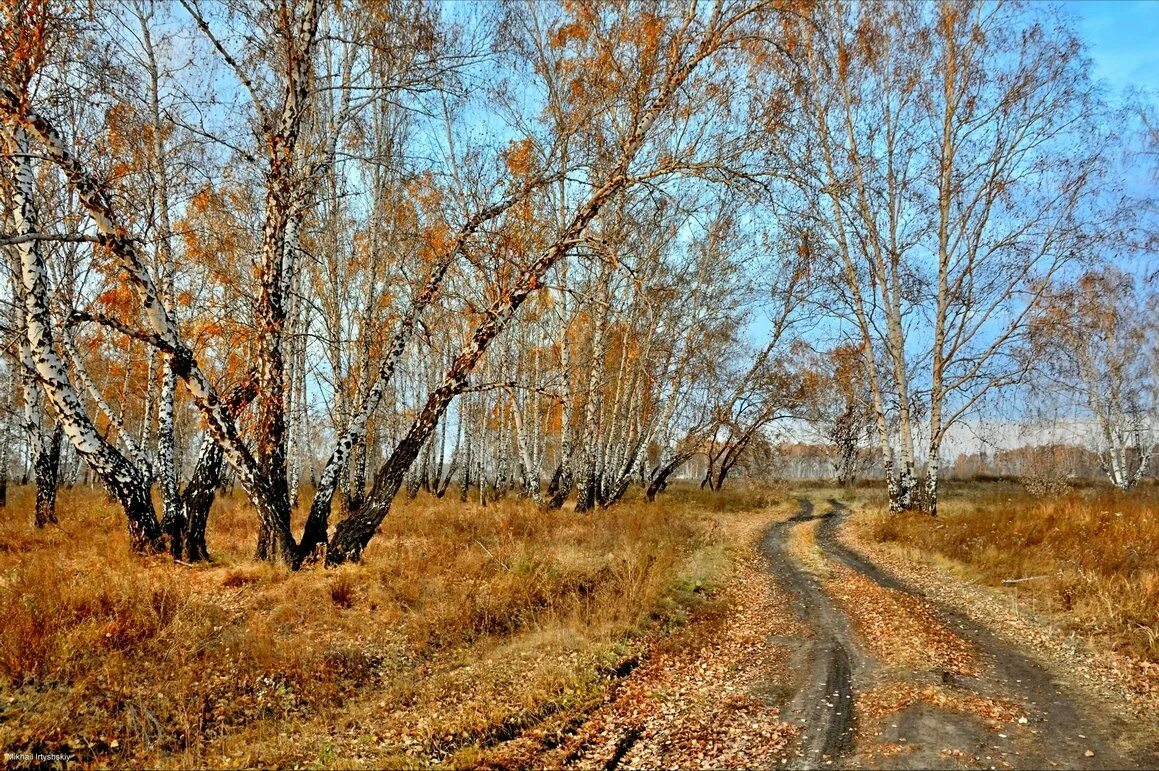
(1092, 554)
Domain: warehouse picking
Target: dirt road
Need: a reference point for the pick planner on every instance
(890, 679)
(826, 661)
(821, 659)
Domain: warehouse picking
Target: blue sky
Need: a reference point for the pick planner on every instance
(1123, 36)
(1123, 42)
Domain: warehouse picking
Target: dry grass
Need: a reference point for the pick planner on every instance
(1093, 555)
(802, 545)
(461, 624)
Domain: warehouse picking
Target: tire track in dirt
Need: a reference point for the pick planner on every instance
(707, 693)
(823, 704)
(1060, 732)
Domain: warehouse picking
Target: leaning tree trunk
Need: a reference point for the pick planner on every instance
(659, 479)
(123, 479)
(43, 446)
(354, 435)
(355, 532)
(196, 500)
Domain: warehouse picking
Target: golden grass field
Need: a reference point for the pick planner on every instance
(461, 623)
(1091, 555)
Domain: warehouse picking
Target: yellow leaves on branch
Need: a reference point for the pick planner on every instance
(437, 240)
(948, 17)
(605, 49)
(848, 362)
(211, 239)
(118, 302)
(122, 125)
(648, 40)
(572, 30)
(520, 159)
(421, 212)
(204, 329)
(26, 31)
(842, 61)
(130, 139)
(426, 194)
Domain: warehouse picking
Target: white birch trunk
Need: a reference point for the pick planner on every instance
(124, 480)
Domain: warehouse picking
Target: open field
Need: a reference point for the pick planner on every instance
(509, 637)
(1090, 556)
(461, 625)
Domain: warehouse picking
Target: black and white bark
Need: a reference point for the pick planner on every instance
(161, 332)
(165, 469)
(124, 480)
(197, 497)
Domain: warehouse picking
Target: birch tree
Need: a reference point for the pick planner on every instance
(837, 409)
(948, 158)
(674, 56)
(41, 434)
(1093, 344)
(333, 243)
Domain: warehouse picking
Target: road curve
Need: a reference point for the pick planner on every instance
(835, 664)
(823, 704)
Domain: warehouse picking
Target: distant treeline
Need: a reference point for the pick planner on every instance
(805, 462)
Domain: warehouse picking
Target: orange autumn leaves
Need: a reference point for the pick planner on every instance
(520, 159)
(129, 138)
(26, 36)
(593, 40)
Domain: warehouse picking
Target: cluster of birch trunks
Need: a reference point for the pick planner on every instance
(329, 253)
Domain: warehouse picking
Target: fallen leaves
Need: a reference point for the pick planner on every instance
(698, 701)
(1127, 682)
(893, 697)
(898, 628)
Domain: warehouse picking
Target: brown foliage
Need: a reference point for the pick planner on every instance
(461, 619)
(1097, 552)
